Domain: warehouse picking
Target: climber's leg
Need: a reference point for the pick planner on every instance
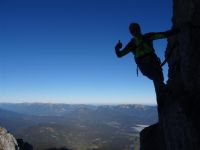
(153, 71)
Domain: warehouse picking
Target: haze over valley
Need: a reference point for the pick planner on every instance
(77, 127)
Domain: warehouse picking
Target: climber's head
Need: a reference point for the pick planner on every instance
(135, 29)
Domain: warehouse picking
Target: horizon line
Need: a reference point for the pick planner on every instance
(56, 103)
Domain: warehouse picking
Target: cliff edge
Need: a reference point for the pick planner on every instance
(178, 109)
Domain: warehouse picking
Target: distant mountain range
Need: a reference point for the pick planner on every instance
(83, 127)
(43, 109)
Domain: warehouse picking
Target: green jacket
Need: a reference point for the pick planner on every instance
(143, 45)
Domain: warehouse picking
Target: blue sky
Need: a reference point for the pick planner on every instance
(63, 50)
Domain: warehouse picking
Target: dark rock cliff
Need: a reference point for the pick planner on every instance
(179, 109)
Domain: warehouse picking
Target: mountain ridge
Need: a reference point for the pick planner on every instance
(83, 127)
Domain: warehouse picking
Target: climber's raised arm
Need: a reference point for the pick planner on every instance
(161, 35)
(124, 51)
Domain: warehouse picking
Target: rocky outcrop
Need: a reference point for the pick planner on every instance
(151, 138)
(24, 145)
(179, 108)
(7, 141)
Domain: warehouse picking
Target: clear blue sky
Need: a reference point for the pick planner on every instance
(63, 50)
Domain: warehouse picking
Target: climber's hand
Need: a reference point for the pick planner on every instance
(118, 45)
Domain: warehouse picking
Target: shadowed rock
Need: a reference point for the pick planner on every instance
(58, 149)
(24, 145)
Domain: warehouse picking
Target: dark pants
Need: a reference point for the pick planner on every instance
(150, 67)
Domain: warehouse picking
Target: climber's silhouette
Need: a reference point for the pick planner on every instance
(142, 48)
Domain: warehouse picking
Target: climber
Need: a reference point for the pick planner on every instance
(142, 48)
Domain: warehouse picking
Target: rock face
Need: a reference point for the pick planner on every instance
(179, 109)
(7, 141)
(149, 142)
